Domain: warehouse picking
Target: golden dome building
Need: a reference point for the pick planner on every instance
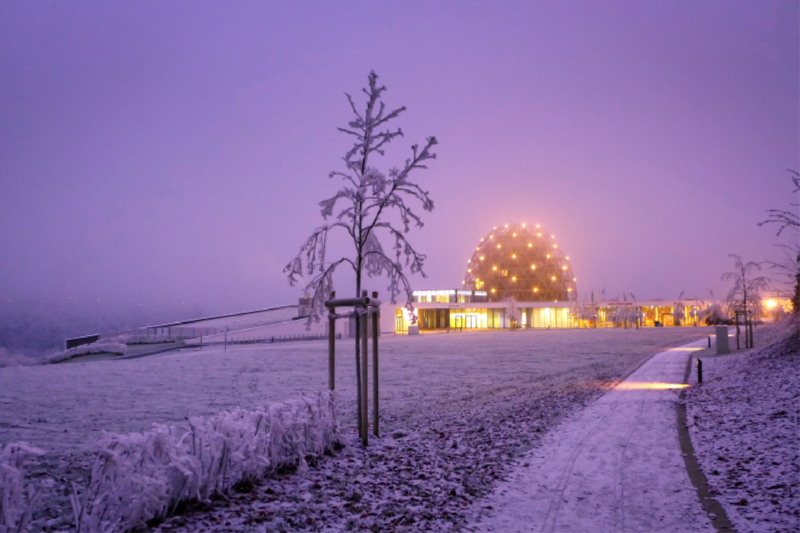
(523, 262)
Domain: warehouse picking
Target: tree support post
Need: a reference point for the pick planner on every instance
(375, 332)
(332, 346)
(364, 318)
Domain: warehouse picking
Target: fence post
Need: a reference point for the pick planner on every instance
(364, 375)
(332, 345)
(375, 332)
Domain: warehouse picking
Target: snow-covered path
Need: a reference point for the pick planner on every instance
(615, 466)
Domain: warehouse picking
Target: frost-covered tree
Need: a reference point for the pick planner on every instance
(362, 207)
(746, 291)
(789, 220)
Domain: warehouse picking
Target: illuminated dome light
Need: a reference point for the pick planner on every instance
(517, 264)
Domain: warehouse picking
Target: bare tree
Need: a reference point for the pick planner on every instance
(789, 220)
(745, 293)
(368, 197)
(679, 311)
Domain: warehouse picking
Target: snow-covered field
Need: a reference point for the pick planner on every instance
(745, 426)
(456, 408)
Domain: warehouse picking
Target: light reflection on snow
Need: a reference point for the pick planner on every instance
(653, 385)
(685, 349)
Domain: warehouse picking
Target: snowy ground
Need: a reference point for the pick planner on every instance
(614, 466)
(456, 410)
(744, 424)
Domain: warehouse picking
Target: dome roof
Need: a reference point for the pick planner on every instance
(523, 262)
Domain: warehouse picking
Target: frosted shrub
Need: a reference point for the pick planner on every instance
(18, 499)
(141, 476)
(95, 347)
(13, 359)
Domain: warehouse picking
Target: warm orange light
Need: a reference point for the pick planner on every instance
(537, 225)
(563, 268)
(567, 256)
(469, 270)
(574, 279)
(771, 303)
(478, 248)
(569, 290)
(513, 278)
(506, 225)
(533, 267)
(513, 256)
(482, 241)
(655, 385)
(491, 236)
(529, 245)
(494, 268)
(536, 289)
(555, 246)
(548, 256)
(513, 234)
(684, 349)
(481, 258)
(492, 290)
(554, 278)
(538, 234)
(523, 224)
(498, 246)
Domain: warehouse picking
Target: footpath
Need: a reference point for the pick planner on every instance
(615, 466)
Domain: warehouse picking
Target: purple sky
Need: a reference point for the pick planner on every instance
(153, 154)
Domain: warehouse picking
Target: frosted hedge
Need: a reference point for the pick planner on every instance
(142, 476)
(18, 498)
(96, 347)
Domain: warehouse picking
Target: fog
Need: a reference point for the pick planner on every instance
(161, 161)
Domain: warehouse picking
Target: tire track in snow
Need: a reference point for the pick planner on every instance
(563, 482)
